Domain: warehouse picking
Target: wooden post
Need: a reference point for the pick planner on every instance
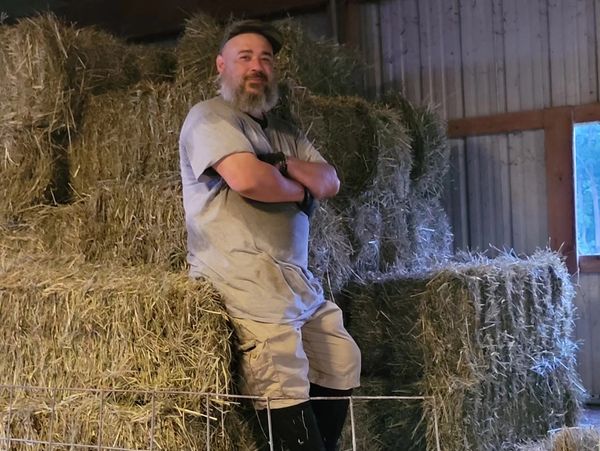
(558, 141)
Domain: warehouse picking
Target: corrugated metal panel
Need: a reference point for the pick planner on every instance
(488, 192)
(572, 37)
(455, 195)
(371, 49)
(482, 58)
(526, 54)
(497, 192)
(528, 201)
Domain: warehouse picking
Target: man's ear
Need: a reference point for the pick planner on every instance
(220, 64)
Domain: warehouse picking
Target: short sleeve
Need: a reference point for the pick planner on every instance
(306, 150)
(208, 136)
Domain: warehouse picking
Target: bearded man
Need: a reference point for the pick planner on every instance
(249, 183)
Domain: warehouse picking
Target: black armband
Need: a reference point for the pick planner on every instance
(308, 203)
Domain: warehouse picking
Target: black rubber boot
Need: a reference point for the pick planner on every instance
(330, 414)
(294, 428)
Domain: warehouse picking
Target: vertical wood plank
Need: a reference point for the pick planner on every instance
(558, 142)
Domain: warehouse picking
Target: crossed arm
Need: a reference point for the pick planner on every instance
(254, 179)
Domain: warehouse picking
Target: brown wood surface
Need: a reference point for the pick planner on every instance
(350, 30)
(589, 263)
(495, 124)
(558, 142)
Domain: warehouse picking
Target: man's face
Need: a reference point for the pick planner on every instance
(246, 73)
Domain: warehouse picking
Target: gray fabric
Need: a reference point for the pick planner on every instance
(256, 254)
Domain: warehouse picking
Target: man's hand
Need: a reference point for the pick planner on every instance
(320, 178)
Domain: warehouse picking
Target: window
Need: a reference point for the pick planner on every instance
(586, 148)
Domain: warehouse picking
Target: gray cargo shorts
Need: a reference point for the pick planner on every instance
(279, 361)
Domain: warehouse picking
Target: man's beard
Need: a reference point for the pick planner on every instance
(252, 103)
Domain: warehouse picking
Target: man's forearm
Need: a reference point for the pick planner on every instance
(320, 178)
(270, 186)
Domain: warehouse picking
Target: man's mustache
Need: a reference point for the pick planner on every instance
(261, 75)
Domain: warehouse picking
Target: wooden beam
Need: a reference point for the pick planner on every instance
(498, 123)
(589, 263)
(350, 24)
(586, 113)
(518, 121)
(558, 142)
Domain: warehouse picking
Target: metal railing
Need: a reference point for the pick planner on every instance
(210, 399)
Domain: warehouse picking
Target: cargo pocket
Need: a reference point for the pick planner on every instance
(259, 376)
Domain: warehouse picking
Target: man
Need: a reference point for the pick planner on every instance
(249, 181)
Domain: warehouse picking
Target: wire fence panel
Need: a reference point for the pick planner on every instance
(42, 418)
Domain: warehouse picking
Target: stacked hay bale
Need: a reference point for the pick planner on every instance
(431, 237)
(499, 355)
(47, 70)
(566, 439)
(130, 334)
(489, 340)
(108, 146)
(85, 298)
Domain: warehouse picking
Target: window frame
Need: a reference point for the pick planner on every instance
(558, 125)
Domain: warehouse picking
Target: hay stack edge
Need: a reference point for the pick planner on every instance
(105, 341)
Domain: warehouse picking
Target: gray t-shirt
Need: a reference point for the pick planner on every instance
(255, 253)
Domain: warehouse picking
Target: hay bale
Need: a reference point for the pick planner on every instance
(498, 350)
(389, 424)
(48, 67)
(26, 171)
(368, 146)
(330, 249)
(331, 71)
(566, 439)
(123, 330)
(125, 223)
(135, 224)
(89, 419)
(196, 53)
(321, 65)
(490, 340)
(344, 131)
(430, 235)
(34, 84)
(128, 135)
(383, 317)
(431, 154)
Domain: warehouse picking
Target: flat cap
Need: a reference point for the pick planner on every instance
(265, 29)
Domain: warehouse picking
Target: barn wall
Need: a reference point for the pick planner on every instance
(479, 57)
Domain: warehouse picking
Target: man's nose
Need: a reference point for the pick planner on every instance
(256, 65)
